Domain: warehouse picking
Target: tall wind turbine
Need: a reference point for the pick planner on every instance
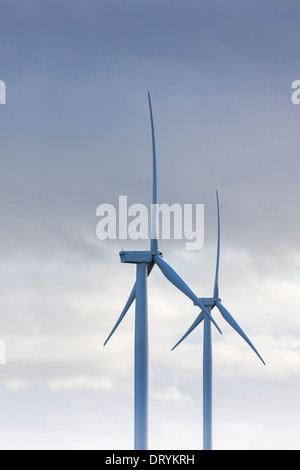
(210, 303)
(145, 260)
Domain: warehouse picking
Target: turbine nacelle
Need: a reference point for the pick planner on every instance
(209, 301)
(138, 256)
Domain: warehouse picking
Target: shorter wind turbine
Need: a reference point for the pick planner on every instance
(210, 303)
(145, 260)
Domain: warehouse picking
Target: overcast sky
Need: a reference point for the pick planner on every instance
(75, 133)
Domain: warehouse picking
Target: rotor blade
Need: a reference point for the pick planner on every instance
(216, 287)
(226, 315)
(176, 280)
(130, 300)
(154, 245)
(196, 323)
(128, 304)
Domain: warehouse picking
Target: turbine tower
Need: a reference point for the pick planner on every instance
(210, 303)
(145, 261)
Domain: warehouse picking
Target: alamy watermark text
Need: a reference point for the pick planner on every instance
(2, 92)
(296, 94)
(176, 221)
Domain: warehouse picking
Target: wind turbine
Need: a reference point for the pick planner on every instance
(210, 303)
(145, 261)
